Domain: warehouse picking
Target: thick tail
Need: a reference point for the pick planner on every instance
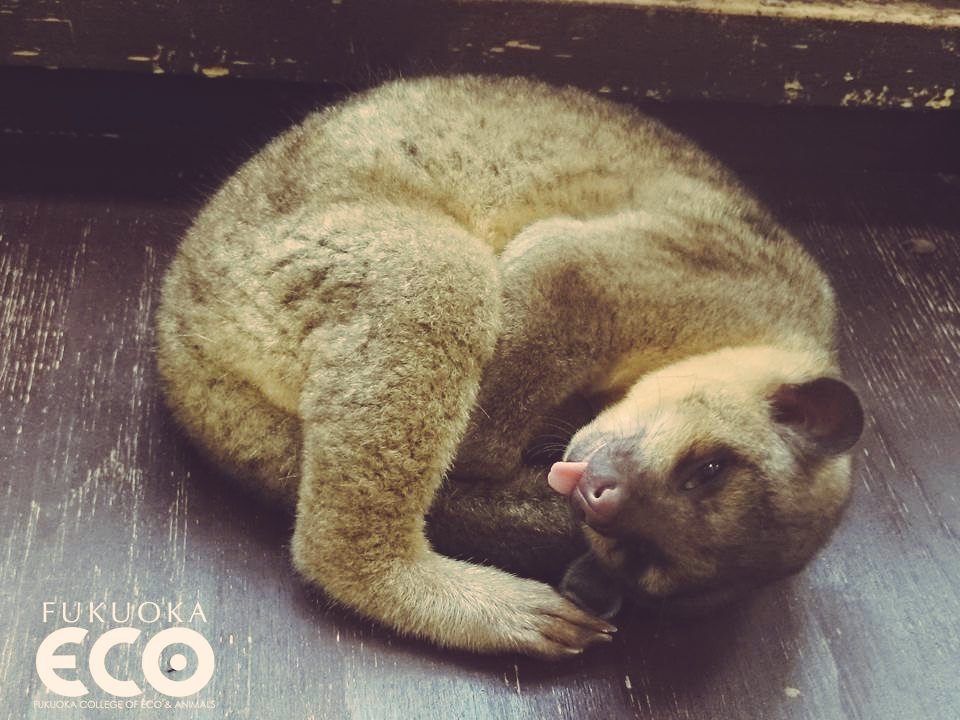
(521, 526)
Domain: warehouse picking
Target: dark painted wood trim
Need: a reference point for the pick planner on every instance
(874, 54)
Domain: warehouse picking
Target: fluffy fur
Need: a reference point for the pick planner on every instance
(418, 282)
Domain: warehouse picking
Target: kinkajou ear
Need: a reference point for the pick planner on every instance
(825, 413)
(588, 584)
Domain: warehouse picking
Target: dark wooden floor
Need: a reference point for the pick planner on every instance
(103, 500)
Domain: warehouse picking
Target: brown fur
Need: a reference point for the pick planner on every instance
(419, 279)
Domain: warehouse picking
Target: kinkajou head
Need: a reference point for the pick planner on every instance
(710, 477)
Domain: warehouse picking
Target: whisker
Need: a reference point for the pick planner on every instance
(558, 423)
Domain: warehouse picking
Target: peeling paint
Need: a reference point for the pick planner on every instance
(792, 90)
(55, 20)
(931, 98)
(903, 12)
(866, 97)
(522, 45)
(215, 71)
(154, 59)
(941, 101)
(25, 53)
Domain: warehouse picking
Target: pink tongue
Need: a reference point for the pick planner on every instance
(564, 476)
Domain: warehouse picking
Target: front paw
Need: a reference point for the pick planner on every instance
(462, 605)
(548, 626)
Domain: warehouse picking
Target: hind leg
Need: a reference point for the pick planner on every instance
(236, 426)
(383, 409)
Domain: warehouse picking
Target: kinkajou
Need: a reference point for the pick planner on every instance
(412, 285)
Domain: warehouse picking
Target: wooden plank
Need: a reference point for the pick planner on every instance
(235, 37)
(822, 53)
(939, 13)
(103, 499)
(676, 51)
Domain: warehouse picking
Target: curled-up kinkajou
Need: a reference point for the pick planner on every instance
(406, 293)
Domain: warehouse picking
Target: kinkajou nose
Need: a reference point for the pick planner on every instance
(599, 493)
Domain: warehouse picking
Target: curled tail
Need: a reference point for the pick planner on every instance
(521, 526)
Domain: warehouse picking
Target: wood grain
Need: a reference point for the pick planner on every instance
(103, 499)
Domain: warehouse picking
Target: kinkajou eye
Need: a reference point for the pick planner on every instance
(704, 473)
